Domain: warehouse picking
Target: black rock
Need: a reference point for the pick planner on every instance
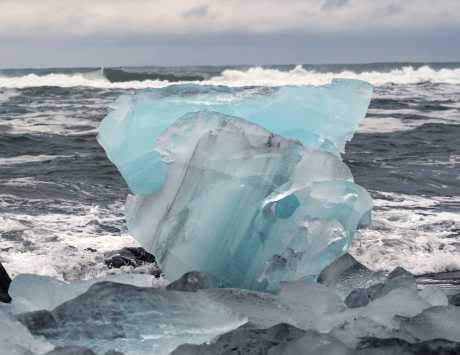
(395, 346)
(195, 280)
(455, 299)
(131, 256)
(399, 272)
(37, 320)
(314, 343)
(117, 261)
(71, 350)
(5, 282)
(246, 339)
(141, 254)
(358, 298)
(340, 269)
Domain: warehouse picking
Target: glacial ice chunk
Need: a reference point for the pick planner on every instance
(155, 321)
(246, 205)
(221, 194)
(323, 117)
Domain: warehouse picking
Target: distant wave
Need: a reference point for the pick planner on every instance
(301, 76)
(121, 76)
(231, 77)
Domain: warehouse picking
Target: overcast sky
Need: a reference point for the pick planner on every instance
(44, 33)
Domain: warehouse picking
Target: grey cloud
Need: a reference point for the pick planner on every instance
(388, 10)
(88, 18)
(197, 11)
(333, 4)
(393, 9)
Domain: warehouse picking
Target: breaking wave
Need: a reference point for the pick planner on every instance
(302, 76)
(299, 75)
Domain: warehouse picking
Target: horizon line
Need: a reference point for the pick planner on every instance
(233, 65)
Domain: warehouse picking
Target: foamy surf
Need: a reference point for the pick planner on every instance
(254, 76)
(407, 231)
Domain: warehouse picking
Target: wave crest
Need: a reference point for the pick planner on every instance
(301, 76)
(255, 76)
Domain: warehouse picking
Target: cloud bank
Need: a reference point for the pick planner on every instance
(31, 18)
(182, 27)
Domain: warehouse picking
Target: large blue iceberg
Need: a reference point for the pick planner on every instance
(245, 183)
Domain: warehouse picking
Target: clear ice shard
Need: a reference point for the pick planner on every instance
(218, 193)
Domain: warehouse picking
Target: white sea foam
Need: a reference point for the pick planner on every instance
(301, 76)
(251, 76)
(7, 94)
(73, 80)
(56, 244)
(62, 122)
(21, 159)
(407, 231)
(372, 124)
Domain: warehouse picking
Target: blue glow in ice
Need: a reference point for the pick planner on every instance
(255, 198)
(324, 117)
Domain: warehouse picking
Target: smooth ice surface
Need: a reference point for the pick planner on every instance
(434, 296)
(156, 320)
(34, 292)
(435, 323)
(138, 321)
(320, 117)
(248, 206)
(15, 338)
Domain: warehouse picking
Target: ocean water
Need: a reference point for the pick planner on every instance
(62, 201)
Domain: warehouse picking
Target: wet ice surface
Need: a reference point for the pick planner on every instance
(15, 338)
(155, 320)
